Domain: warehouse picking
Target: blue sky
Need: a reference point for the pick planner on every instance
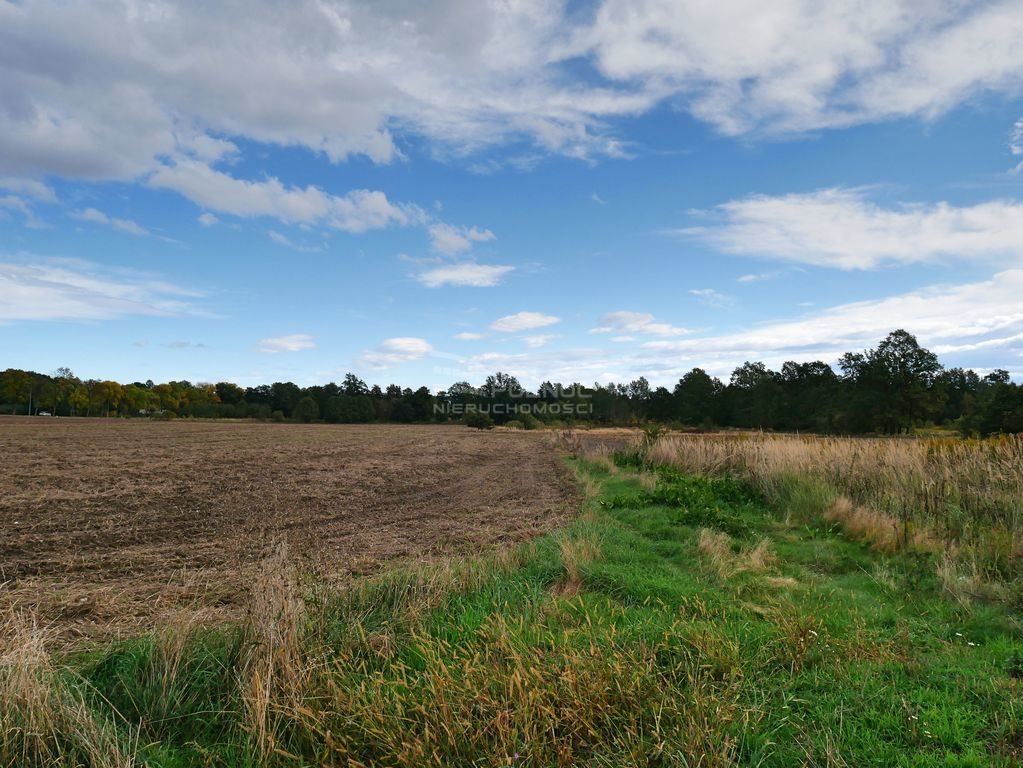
(426, 193)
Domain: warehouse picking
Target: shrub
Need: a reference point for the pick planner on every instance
(515, 424)
(529, 421)
(277, 416)
(479, 420)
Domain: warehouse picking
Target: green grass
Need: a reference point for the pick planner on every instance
(659, 629)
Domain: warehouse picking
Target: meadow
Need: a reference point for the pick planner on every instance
(960, 500)
(712, 600)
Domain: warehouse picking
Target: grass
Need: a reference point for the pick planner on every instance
(962, 496)
(679, 621)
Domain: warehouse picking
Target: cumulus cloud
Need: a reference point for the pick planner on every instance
(209, 149)
(841, 228)
(337, 79)
(395, 351)
(357, 211)
(121, 225)
(523, 321)
(295, 342)
(467, 274)
(468, 336)
(66, 289)
(624, 322)
(330, 77)
(790, 65)
(452, 240)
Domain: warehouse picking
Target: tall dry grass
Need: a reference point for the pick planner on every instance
(44, 717)
(963, 492)
(273, 670)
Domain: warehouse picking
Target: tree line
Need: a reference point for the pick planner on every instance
(890, 389)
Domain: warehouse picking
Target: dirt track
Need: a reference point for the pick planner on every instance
(106, 526)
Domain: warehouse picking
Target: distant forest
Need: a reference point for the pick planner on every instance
(894, 388)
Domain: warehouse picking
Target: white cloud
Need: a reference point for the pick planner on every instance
(15, 203)
(468, 274)
(121, 225)
(939, 315)
(840, 228)
(330, 77)
(207, 148)
(91, 214)
(395, 351)
(635, 322)
(31, 188)
(981, 323)
(129, 226)
(523, 321)
(598, 199)
(468, 336)
(535, 342)
(25, 190)
(532, 367)
(280, 239)
(755, 278)
(357, 211)
(790, 65)
(295, 342)
(64, 289)
(711, 298)
(452, 240)
(338, 78)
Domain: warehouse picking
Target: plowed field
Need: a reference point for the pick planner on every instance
(107, 526)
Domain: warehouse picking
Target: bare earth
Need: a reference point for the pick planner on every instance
(107, 526)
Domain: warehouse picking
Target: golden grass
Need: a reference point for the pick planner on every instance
(891, 492)
(716, 548)
(44, 721)
(273, 673)
(576, 553)
(881, 531)
(963, 580)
